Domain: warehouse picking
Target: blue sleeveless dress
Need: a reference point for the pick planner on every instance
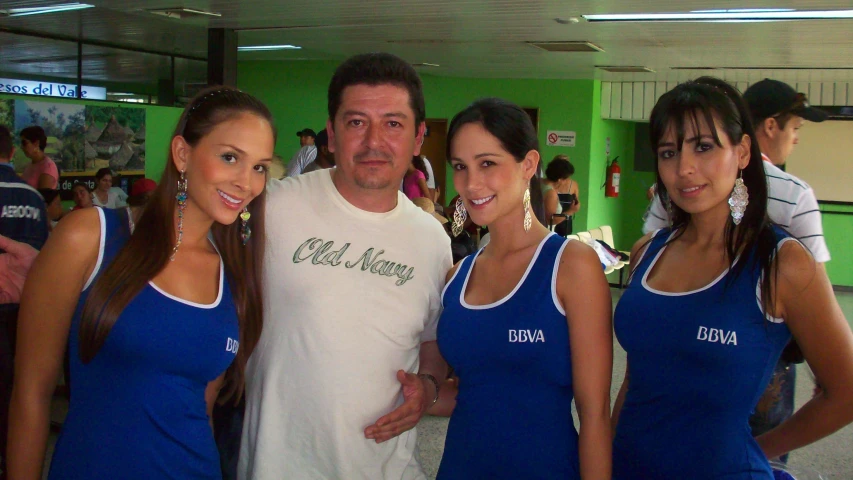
(513, 415)
(699, 361)
(137, 409)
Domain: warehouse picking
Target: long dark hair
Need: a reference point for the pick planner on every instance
(512, 126)
(148, 250)
(680, 110)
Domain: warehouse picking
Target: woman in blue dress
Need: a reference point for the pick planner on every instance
(712, 301)
(526, 321)
(160, 309)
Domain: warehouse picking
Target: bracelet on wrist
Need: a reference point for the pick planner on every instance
(434, 382)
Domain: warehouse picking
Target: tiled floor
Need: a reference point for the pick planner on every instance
(831, 456)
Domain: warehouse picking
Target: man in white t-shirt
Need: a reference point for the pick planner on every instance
(347, 363)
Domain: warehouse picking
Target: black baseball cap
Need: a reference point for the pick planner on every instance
(322, 139)
(306, 132)
(769, 98)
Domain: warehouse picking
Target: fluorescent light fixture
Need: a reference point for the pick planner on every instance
(775, 14)
(181, 13)
(264, 48)
(64, 7)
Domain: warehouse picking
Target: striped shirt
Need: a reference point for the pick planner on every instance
(301, 159)
(791, 204)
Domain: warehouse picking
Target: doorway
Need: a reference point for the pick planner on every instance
(434, 148)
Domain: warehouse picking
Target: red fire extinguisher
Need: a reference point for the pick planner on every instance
(611, 186)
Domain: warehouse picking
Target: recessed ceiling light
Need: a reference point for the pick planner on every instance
(567, 46)
(624, 69)
(264, 48)
(776, 14)
(64, 7)
(181, 13)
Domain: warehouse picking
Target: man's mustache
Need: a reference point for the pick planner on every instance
(372, 154)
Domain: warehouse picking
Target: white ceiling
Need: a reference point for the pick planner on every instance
(474, 38)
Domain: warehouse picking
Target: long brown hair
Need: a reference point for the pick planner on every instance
(148, 250)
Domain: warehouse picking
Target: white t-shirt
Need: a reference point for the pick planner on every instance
(791, 203)
(114, 199)
(349, 297)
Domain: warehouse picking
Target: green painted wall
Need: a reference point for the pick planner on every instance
(159, 124)
(838, 230)
(296, 94)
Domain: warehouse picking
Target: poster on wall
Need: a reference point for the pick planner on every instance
(560, 138)
(81, 139)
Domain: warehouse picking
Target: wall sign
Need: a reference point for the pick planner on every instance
(50, 89)
(560, 138)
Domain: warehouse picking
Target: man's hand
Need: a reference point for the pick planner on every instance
(14, 265)
(407, 415)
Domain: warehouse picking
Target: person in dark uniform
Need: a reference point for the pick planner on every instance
(23, 218)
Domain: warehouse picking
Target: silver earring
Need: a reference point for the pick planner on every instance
(738, 200)
(181, 197)
(528, 219)
(459, 217)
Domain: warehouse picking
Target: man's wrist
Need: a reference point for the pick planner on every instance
(431, 379)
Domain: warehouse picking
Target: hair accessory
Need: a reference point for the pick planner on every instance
(245, 230)
(528, 219)
(738, 200)
(459, 217)
(181, 197)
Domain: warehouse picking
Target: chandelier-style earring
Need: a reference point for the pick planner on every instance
(181, 197)
(245, 230)
(528, 219)
(459, 217)
(738, 200)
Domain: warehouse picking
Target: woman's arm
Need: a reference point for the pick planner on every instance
(50, 296)
(46, 181)
(588, 313)
(804, 298)
(423, 187)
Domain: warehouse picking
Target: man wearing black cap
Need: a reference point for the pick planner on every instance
(306, 137)
(325, 158)
(305, 155)
(778, 112)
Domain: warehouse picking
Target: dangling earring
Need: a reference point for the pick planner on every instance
(739, 200)
(459, 217)
(528, 219)
(181, 197)
(245, 230)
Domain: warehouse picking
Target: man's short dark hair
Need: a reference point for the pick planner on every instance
(35, 134)
(377, 69)
(6, 145)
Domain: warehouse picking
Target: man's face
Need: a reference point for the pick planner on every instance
(374, 136)
(306, 140)
(788, 137)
